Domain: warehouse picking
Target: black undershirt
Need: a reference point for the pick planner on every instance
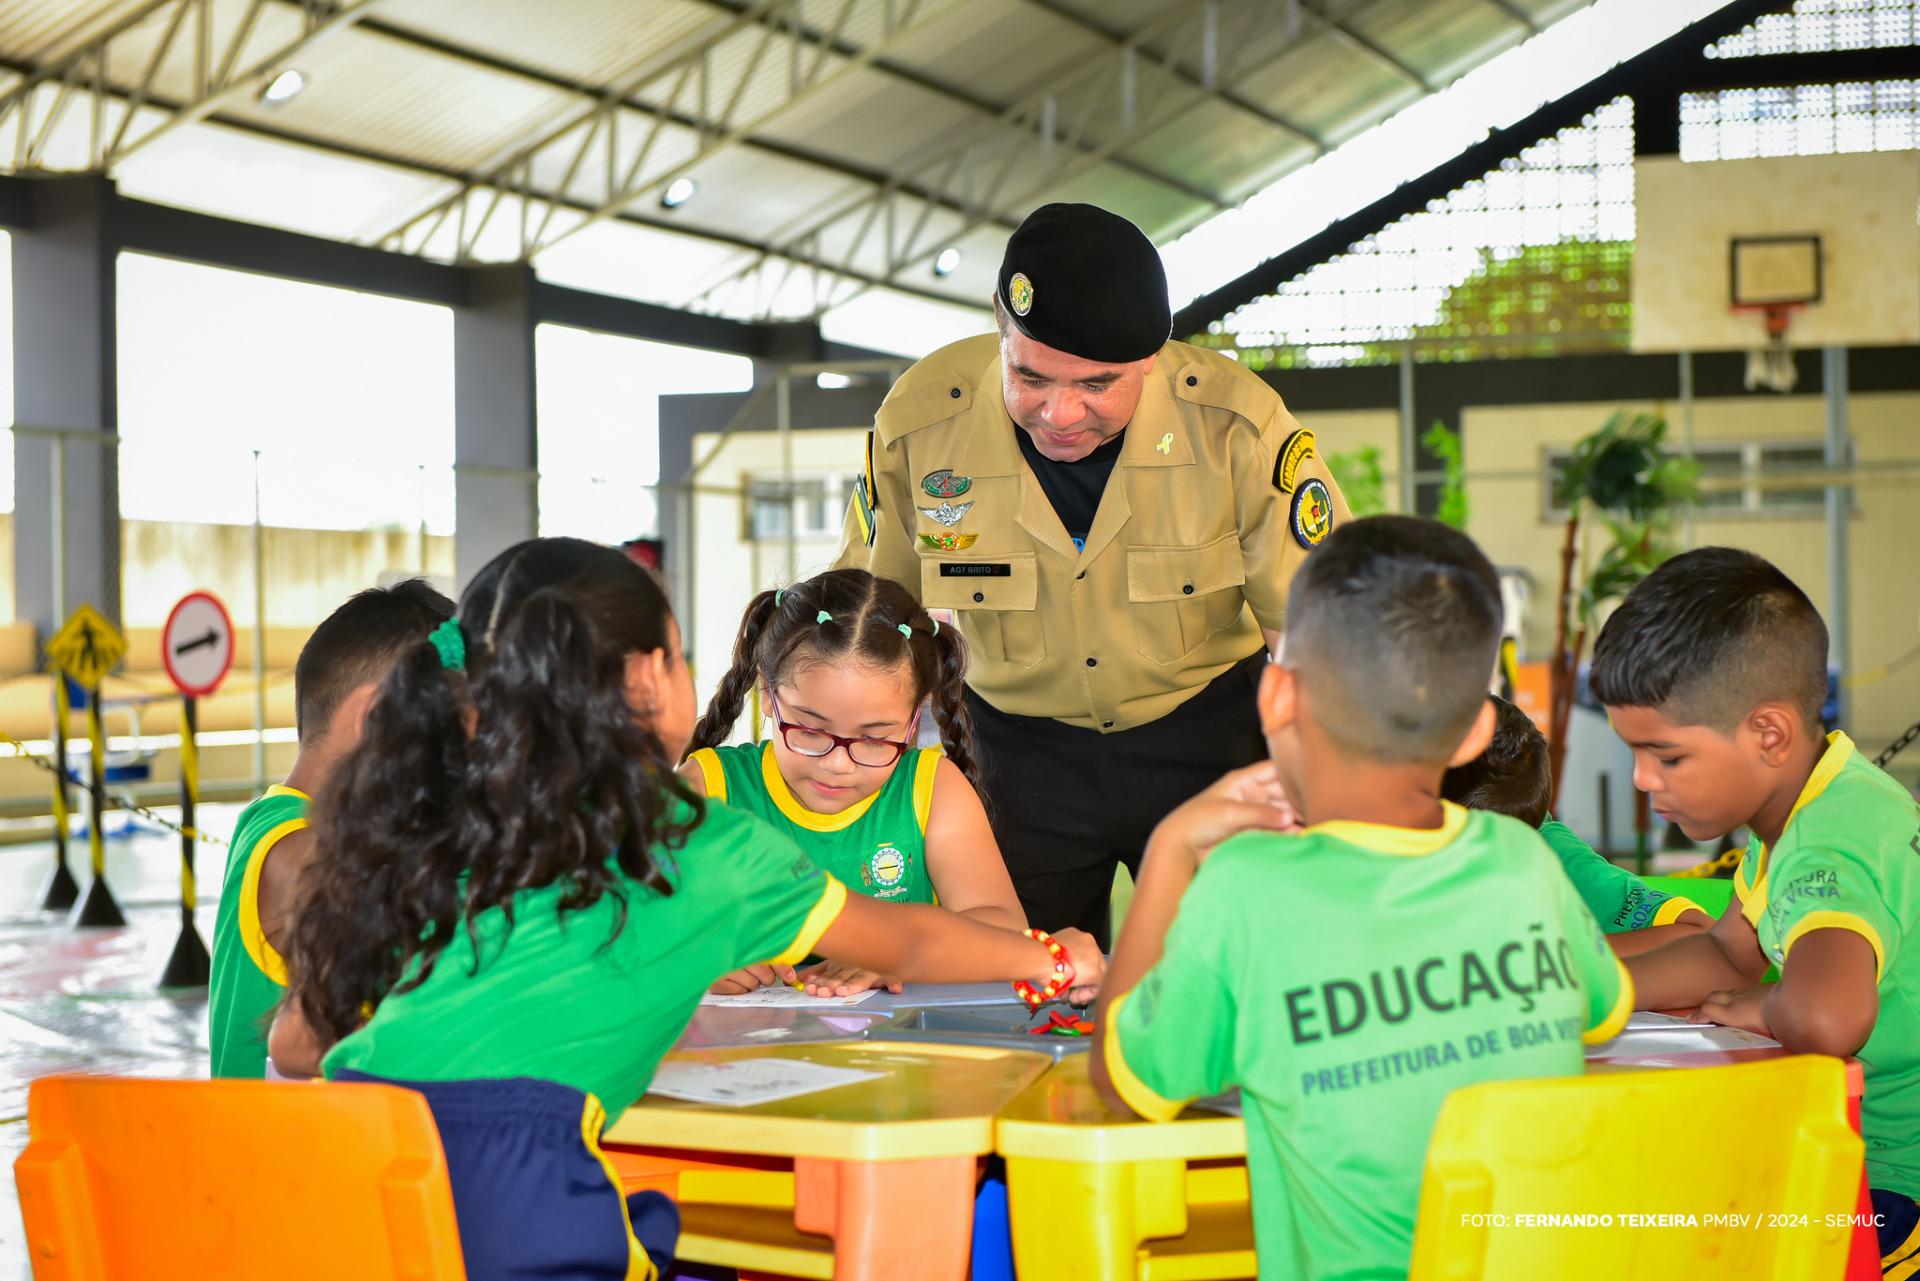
(1073, 488)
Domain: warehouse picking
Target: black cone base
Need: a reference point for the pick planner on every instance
(98, 908)
(189, 965)
(62, 890)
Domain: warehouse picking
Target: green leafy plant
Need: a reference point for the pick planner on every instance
(1623, 474)
(1362, 483)
(1444, 443)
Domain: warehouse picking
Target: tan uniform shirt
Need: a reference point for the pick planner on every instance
(1190, 553)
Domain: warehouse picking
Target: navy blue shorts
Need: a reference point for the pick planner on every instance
(534, 1196)
(1899, 1229)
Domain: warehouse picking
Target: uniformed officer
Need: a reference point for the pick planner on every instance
(1114, 519)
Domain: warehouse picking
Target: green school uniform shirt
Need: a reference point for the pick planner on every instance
(877, 847)
(248, 977)
(1849, 859)
(1347, 980)
(562, 999)
(1618, 899)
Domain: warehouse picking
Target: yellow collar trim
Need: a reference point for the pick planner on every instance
(789, 804)
(1840, 750)
(1409, 841)
(281, 789)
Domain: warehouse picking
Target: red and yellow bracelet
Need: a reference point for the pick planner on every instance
(1062, 972)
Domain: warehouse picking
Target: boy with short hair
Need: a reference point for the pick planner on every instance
(334, 682)
(1513, 777)
(1349, 977)
(1714, 671)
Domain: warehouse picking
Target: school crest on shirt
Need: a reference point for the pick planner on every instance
(886, 871)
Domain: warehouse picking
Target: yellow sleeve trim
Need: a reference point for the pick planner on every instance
(1671, 910)
(1838, 921)
(712, 774)
(925, 770)
(252, 934)
(1609, 1027)
(833, 900)
(1138, 1095)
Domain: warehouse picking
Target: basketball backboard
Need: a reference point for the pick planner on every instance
(1827, 245)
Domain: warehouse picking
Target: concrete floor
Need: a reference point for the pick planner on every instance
(88, 1000)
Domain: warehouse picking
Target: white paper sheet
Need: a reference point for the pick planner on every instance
(780, 996)
(745, 1082)
(1648, 1033)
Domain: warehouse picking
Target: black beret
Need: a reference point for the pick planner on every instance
(1086, 282)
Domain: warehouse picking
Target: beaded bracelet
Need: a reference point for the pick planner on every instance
(1062, 972)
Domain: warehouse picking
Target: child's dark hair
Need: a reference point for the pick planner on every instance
(865, 617)
(1512, 776)
(1392, 627)
(355, 646)
(1709, 636)
(527, 769)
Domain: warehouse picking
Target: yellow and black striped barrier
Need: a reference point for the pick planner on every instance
(62, 890)
(189, 966)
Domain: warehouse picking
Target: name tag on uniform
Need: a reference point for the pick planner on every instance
(975, 569)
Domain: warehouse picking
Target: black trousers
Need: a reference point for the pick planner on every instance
(1069, 804)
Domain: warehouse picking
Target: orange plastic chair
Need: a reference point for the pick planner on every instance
(1754, 1167)
(234, 1179)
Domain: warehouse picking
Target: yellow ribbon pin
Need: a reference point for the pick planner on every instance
(1166, 444)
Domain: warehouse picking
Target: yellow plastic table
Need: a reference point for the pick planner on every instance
(882, 1173)
(1095, 1193)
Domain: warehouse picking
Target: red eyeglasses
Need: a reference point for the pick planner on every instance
(806, 740)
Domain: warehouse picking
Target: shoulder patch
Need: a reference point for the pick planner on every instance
(932, 402)
(1286, 466)
(1312, 514)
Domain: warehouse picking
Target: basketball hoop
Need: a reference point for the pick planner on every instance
(1771, 366)
(1775, 275)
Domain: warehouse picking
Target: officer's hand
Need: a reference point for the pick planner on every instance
(752, 978)
(1089, 965)
(1247, 800)
(836, 978)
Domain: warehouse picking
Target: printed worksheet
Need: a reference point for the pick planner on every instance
(783, 997)
(1650, 1033)
(745, 1082)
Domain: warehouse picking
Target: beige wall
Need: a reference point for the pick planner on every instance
(1506, 446)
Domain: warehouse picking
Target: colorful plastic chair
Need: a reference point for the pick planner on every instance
(234, 1179)
(1759, 1154)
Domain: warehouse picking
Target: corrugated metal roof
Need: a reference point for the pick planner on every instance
(442, 88)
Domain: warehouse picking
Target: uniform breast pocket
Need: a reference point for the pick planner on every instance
(1182, 595)
(995, 598)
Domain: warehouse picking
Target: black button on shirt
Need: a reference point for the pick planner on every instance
(1073, 488)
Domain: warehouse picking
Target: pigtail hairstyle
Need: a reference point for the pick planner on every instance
(840, 615)
(530, 768)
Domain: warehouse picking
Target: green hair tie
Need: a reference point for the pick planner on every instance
(450, 644)
(823, 617)
(936, 627)
(778, 597)
(906, 631)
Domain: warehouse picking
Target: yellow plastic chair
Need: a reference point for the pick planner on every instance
(234, 1179)
(1759, 1155)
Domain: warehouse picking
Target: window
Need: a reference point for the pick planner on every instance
(1529, 259)
(1744, 478)
(1800, 120)
(1819, 26)
(819, 504)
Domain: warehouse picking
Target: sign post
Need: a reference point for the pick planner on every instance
(86, 648)
(196, 646)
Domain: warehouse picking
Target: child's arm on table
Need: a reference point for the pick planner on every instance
(1681, 973)
(924, 944)
(1825, 1002)
(1245, 800)
(292, 1044)
(969, 876)
(1634, 942)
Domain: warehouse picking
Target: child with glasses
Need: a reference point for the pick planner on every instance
(843, 663)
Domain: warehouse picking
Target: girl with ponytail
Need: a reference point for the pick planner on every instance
(842, 663)
(515, 905)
